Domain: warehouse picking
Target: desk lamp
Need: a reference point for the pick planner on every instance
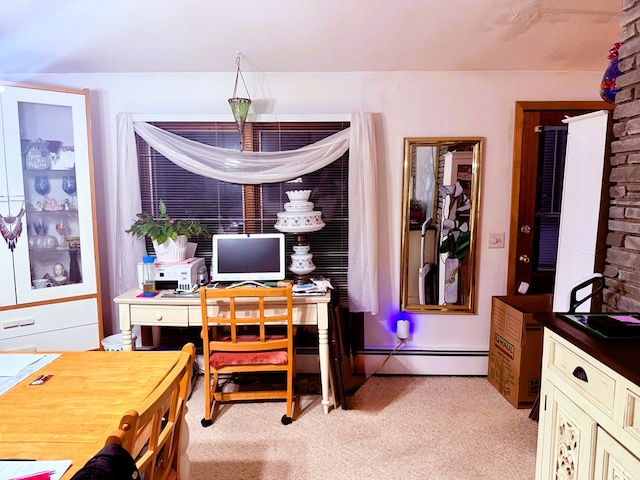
(299, 218)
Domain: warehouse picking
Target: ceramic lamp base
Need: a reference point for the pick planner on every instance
(301, 261)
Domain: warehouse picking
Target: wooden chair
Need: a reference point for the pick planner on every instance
(236, 352)
(151, 432)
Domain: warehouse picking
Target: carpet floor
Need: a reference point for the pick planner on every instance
(407, 427)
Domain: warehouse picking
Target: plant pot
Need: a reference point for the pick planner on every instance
(172, 251)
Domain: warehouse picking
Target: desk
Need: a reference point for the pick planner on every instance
(184, 311)
(70, 416)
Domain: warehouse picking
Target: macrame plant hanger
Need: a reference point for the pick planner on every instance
(240, 105)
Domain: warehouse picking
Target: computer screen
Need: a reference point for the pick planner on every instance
(249, 256)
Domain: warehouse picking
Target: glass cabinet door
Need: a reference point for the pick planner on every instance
(48, 176)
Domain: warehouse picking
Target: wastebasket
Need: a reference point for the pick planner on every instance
(113, 343)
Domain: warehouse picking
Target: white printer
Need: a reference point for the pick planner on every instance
(178, 275)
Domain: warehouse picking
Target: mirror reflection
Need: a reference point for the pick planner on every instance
(439, 223)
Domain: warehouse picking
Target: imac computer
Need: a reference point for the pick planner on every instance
(248, 258)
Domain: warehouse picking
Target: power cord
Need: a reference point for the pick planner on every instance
(402, 342)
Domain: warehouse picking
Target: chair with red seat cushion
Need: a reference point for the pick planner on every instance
(237, 352)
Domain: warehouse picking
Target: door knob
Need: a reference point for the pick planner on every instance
(524, 258)
(525, 229)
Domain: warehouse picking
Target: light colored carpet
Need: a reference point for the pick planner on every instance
(402, 427)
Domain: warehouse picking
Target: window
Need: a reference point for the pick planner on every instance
(234, 208)
(553, 146)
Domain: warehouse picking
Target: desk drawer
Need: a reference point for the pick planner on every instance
(167, 315)
(302, 314)
(581, 372)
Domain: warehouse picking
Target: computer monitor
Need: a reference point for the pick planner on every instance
(248, 256)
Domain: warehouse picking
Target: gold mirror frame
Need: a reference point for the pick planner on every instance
(434, 268)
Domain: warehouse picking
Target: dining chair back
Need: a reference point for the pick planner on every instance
(151, 432)
(234, 350)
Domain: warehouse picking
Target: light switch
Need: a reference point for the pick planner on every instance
(496, 240)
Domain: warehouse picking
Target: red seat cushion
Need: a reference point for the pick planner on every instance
(221, 359)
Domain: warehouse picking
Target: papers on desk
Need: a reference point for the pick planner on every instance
(24, 468)
(315, 287)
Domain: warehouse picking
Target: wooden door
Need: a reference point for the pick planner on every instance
(526, 274)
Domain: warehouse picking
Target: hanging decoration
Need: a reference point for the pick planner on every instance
(239, 105)
(608, 88)
(11, 230)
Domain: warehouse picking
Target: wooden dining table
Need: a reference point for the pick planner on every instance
(70, 416)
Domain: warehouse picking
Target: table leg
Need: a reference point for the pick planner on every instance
(127, 344)
(325, 371)
(125, 327)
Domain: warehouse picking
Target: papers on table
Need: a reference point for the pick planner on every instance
(24, 468)
(28, 362)
(11, 364)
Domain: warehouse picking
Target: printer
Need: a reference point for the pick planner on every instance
(181, 275)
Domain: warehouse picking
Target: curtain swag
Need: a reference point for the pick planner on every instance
(266, 167)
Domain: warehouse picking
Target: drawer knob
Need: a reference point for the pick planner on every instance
(158, 316)
(580, 374)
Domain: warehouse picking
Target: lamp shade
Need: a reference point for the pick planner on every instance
(240, 109)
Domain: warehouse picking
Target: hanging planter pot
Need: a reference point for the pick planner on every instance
(172, 250)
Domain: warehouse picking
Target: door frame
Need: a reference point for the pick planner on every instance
(521, 108)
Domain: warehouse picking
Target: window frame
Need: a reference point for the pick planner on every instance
(252, 205)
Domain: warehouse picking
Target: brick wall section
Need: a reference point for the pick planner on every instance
(622, 269)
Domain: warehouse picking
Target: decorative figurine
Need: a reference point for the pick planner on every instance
(60, 275)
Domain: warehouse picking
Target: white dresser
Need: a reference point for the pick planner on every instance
(589, 405)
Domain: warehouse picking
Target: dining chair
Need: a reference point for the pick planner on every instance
(151, 432)
(234, 350)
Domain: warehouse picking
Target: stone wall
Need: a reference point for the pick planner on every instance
(622, 269)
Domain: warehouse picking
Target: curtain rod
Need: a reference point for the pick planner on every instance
(220, 117)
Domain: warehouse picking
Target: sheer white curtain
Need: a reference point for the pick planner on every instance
(259, 167)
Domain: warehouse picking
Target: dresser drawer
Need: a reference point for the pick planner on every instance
(581, 372)
(159, 315)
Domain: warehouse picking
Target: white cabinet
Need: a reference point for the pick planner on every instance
(49, 286)
(589, 417)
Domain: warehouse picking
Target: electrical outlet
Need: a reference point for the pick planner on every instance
(496, 240)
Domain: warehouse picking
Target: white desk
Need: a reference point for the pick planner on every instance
(164, 311)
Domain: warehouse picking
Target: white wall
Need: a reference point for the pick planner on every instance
(408, 104)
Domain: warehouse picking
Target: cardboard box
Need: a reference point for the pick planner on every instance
(515, 349)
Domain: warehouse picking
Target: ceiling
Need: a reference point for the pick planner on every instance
(94, 36)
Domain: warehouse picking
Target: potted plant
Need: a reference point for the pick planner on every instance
(169, 235)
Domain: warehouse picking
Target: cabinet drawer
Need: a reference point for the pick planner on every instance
(159, 315)
(581, 372)
(20, 322)
(84, 337)
(632, 413)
